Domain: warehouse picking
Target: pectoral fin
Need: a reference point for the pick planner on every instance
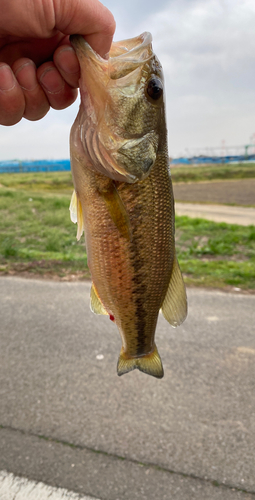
(76, 214)
(117, 210)
(96, 305)
(174, 307)
(150, 364)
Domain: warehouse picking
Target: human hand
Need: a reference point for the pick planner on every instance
(38, 66)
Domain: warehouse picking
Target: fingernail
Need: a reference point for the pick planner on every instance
(7, 81)
(52, 81)
(68, 61)
(27, 79)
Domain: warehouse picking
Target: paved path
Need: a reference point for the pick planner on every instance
(217, 213)
(68, 420)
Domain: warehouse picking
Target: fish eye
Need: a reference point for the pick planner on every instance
(155, 88)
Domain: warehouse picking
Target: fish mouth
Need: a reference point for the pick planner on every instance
(124, 56)
(106, 148)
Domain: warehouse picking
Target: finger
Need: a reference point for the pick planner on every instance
(91, 19)
(38, 50)
(59, 94)
(12, 101)
(67, 63)
(36, 102)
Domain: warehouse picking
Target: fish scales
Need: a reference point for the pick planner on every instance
(128, 277)
(128, 214)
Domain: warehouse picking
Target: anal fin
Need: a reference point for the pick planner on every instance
(96, 305)
(174, 307)
(149, 363)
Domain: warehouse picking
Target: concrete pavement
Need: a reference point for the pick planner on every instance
(69, 421)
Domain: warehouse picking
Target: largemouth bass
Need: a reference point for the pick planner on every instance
(123, 196)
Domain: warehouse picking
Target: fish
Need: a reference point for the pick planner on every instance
(123, 196)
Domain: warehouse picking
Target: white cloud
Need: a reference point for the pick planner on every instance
(207, 49)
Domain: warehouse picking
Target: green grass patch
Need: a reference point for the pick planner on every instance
(213, 254)
(190, 173)
(57, 182)
(36, 228)
(37, 236)
(61, 182)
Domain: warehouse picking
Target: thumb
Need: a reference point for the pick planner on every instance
(86, 17)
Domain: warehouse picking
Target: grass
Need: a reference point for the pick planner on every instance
(37, 237)
(212, 172)
(51, 182)
(61, 182)
(216, 254)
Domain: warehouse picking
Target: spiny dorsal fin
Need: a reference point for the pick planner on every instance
(174, 307)
(117, 210)
(76, 214)
(96, 305)
(150, 364)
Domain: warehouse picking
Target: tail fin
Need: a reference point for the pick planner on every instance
(150, 364)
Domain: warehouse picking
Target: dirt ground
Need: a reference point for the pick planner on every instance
(238, 192)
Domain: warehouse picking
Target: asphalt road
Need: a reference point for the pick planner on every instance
(68, 420)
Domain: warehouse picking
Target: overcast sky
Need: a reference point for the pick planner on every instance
(207, 49)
